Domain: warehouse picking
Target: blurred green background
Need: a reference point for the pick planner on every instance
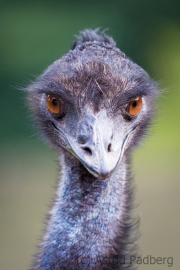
(32, 35)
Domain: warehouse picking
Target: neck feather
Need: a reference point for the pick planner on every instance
(90, 226)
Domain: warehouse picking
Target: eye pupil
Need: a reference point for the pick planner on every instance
(55, 102)
(134, 104)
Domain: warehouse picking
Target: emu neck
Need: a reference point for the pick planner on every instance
(88, 223)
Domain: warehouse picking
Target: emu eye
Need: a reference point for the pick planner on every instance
(54, 104)
(135, 106)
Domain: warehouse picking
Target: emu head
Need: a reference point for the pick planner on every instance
(94, 103)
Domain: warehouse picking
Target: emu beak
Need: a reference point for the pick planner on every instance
(98, 157)
(95, 146)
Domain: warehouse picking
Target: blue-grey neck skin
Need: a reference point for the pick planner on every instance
(90, 225)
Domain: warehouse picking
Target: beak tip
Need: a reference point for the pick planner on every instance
(104, 175)
(100, 174)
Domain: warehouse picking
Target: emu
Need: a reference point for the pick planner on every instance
(93, 106)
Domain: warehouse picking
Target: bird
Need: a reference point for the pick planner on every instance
(93, 106)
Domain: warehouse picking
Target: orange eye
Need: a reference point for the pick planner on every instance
(54, 104)
(135, 106)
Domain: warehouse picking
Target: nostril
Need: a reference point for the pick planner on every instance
(88, 150)
(109, 147)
